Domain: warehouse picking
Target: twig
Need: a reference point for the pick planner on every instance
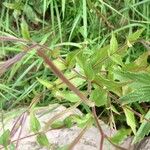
(76, 140)
(99, 127)
(22, 125)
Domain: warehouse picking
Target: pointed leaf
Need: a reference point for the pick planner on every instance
(5, 138)
(120, 136)
(135, 36)
(25, 30)
(130, 119)
(45, 83)
(34, 123)
(57, 124)
(86, 65)
(143, 130)
(142, 94)
(67, 95)
(113, 45)
(43, 140)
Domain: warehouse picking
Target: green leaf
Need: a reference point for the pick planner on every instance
(111, 85)
(142, 94)
(5, 138)
(117, 59)
(69, 121)
(143, 130)
(120, 136)
(34, 123)
(25, 30)
(140, 79)
(12, 146)
(57, 124)
(82, 121)
(113, 45)
(99, 96)
(42, 140)
(67, 95)
(98, 56)
(134, 36)
(60, 65)
(84, 8)
(86, 65)
(15, 5)
(65, 147)
(45, 83)
(130, 119)
(112, 107)
(63, 7)
(89, 72)
(30, 14)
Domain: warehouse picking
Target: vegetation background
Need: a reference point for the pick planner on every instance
(101, 47)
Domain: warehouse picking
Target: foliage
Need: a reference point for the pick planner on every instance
(87, 53)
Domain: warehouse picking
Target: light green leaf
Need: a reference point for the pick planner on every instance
(15, 5)
(67, 95)
(117, 59)
(30, 13)
(86, 65)
(69, 121)
(130, 119)
(99, 55)
(113, 45)
(43, 140)
(134, 36)
(143, 130)
(34, 123)
(65, 147)
(141, 79)
(57, 124)
(5, 138)
(70, 59)
(109, 84)
(120, 136)
(45, 83)
(112, 107)
(142, 94)
(25, 30)
(84, 19)
(82, 121)
(12, 146)
(63, 7)
(60, 65)
(99, 96)
(89, 72)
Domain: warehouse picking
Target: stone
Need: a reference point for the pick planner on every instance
(58, 137)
